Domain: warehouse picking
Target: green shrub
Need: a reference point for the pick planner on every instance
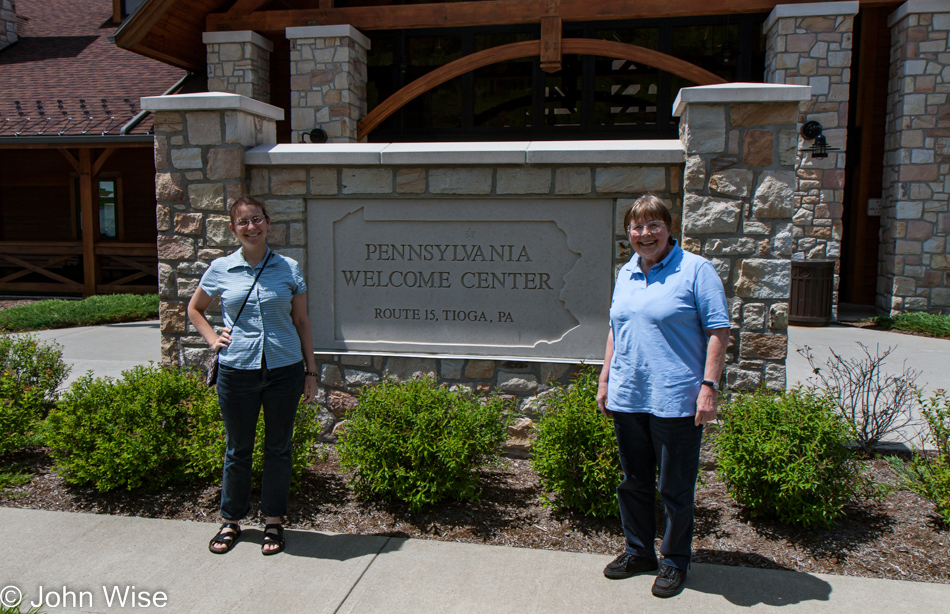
(129, 432)
(575, 453)
(421, 443)
(100, 309)
(152, 427)
(785, 457)
(30, 373)
(929, 474)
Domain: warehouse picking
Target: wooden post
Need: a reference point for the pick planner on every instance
(89, 221)
(550, 44)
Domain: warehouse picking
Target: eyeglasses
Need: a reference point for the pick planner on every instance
(651, 227)
(257, 220)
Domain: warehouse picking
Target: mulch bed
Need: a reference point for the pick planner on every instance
(898, 537)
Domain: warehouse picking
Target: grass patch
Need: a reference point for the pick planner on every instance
(13, 477)
(932, 324)
(58, 313)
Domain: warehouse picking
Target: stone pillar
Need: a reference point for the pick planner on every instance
(8, 30)
(239, 63)
(915, 222)
(327, 81)
(739, 188)
(810, 44)
(200, 140)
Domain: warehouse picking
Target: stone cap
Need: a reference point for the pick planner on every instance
(817, 9)
(339, 31)
(726, 93)
(212, 101)
(914, 7)
(486, 152)
(238, 36)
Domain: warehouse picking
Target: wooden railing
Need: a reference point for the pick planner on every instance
(57, 267)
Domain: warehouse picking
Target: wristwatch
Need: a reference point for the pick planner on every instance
(711, 384)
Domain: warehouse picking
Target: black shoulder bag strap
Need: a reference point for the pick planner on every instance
(212, 378)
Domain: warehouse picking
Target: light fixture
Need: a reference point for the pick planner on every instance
(812, 130)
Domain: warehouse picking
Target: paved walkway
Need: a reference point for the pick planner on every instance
(84, 555)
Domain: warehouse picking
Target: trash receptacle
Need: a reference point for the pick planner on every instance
(813, 284)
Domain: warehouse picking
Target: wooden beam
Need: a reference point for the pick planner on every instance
(142, 22)
(89, 225)
(243, 7)
(550, 43)
(97, 165)
(188, 63)
(326, 4)
(489, 12)
(70, 157)
(511, 51)
(74, 145)
(36, 269)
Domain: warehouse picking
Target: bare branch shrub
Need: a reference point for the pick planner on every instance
(873, 402)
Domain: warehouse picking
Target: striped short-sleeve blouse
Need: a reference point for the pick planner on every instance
(264, 332)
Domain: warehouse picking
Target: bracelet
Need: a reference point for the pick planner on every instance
(310, 373)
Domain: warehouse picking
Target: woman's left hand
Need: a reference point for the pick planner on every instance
(706, 405)
(309, 388)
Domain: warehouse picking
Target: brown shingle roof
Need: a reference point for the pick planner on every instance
(65, 76)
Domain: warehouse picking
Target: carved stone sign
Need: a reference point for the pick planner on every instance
(492, 278)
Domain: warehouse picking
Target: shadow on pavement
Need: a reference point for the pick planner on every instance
(771, 587)
(322, 546)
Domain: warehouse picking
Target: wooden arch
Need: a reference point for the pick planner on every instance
(511, 51)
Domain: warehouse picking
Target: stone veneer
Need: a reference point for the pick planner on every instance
(915, 233)
(810, 44)
(739, 187)
(199, 168)
(203, 161)
(327, 81)
(239, 63)
(8, 29)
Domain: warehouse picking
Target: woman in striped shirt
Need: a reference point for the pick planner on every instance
(265, 360)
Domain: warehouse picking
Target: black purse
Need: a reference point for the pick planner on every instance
(212, 377)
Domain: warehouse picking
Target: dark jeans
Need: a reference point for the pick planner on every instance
(646, 443)
(241, 393)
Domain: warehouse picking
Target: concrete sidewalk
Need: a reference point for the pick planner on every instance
(85, 554)
(106, 350)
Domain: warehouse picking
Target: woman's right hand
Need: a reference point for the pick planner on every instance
(602, 399)
(223, 340)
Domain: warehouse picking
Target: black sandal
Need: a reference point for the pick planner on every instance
(276, 537)
(227, 538)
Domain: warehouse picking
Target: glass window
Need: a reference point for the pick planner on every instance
(108, 207)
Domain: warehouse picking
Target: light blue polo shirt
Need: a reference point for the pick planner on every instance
(659, 324)
(265, 327)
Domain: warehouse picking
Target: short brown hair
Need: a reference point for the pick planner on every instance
(246, 200)
(648, 207)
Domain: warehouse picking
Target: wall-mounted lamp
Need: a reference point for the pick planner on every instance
(316, 135)
(812, 130)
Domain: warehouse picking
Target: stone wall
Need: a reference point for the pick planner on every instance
(239, 63)
(199, 168)
(8, 25)
(736, 213)
(915, 233)
(739, 187)
(810, 44)
(327, 81)
(288, 189)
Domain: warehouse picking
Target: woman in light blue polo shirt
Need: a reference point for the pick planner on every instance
(669, 328)
(262, 360)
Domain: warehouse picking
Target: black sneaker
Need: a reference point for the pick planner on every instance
(627, 565)
(669, 581)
